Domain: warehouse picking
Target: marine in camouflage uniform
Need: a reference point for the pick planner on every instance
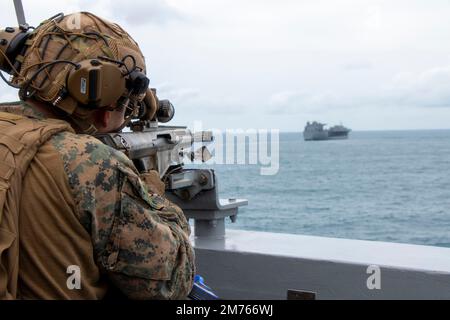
(84, 209)
(92, 210)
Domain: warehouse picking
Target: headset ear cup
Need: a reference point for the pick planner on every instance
(96, 84)
(12, 43)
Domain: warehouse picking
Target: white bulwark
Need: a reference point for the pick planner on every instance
(254, 265)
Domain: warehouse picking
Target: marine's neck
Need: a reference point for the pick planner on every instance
(48, 111)
(43, 109)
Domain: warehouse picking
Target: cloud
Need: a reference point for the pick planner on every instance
(143, 12)
(265, 60)
(135, 13)
(9, 96)
(356, 66)
(176, 94)
(429, 88)
(292, 102)
(193, 101)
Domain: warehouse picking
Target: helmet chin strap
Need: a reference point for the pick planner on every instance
(82, 122)
(129, 118)
(85, 127)
(90, 129)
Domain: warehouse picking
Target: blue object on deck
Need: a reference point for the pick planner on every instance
(202, 291)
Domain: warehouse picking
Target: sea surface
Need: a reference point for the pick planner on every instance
(382, 186)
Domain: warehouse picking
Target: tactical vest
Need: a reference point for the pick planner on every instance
(20, 140)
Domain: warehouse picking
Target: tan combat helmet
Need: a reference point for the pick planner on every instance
(78, 63)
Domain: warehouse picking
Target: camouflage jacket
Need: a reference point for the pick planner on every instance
(140, 240)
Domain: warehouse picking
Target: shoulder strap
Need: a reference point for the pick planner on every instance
(20, 140)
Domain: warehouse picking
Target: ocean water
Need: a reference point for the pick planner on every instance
(382, 186)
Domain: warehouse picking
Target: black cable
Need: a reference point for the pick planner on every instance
(8, 82)
(120, 63)
(134, 64)
(24, 93)
(93, 33)
(47, 40)
(58, 55)
(57, 17)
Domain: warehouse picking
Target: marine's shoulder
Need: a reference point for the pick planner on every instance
(95, 174)
(21, 108)
(77, 149)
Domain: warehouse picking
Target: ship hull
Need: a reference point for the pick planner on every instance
(316, 136)
(343, 136)
(323, 136)
(338, 138)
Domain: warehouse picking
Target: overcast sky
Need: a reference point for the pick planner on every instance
(372, 65)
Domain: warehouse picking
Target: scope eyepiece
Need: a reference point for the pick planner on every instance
(137, 83)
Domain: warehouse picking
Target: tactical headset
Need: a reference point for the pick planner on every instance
(92, 83)
(12, 43)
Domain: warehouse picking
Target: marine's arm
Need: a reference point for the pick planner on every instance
(140, 240)
(150, 255)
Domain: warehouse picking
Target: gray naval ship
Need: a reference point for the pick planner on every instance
(316, 131)
(250, 265)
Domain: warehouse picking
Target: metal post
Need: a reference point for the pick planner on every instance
(20, 13)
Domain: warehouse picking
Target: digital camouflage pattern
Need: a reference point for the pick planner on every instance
(140, 239)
